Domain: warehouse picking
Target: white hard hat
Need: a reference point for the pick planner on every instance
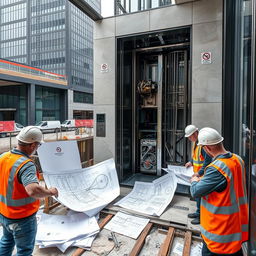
(209, 136)
(30, 134)
(190, 129)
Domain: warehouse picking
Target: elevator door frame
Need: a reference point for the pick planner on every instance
(160, 113)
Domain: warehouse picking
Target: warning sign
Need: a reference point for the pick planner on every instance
(104, 68)
(206, 57)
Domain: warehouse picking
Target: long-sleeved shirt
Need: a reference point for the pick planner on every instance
(212, 180)
(207, 161)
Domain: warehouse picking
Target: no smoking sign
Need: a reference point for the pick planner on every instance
(206, 57)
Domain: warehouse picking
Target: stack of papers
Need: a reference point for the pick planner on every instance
(86, 191)
(183, 174)
(151, 198)
(63, 231)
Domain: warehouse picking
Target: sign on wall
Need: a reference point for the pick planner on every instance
(206, 57)
(104, 68)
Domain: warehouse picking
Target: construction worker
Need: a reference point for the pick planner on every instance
(224, 207)
(19, 194)
(199, 161)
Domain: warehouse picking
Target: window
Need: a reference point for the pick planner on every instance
(82, 97)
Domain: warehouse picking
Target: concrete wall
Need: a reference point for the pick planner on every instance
(205, 16)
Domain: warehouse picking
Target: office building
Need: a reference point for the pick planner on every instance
(55, 36)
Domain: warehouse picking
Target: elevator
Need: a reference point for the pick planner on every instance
(153, 99)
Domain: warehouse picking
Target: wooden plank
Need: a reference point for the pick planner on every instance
(166, 245)
(140, 241)
(187, 244)
(80, 251)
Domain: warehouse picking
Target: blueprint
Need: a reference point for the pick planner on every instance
(151, 198)
(126, 224)
(179, 180)
(85, 190)
(182, 172)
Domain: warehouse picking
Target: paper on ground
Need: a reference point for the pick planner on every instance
(64, 231)
(126, 224)
(151, 198)
(62, 227)
(196, 250)
(85, 243)
(85, 190)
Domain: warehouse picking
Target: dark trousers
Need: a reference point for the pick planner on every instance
(207, 252)
(198, 203)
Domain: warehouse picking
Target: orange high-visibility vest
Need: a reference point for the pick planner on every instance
(224, 215)
(198, 158)
(15, 203)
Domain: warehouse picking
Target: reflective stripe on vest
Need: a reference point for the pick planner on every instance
(221, 238)
(244, 182)
(224, 215)
(198, 159)
(233, 208)
(8, 199)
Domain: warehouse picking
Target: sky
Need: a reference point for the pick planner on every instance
(107, 8)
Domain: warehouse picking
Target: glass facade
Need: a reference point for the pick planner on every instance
(82, 97)
(94, 4)
(81, 49)
(128, 6)
(53, 35)
(48, 34)
(48, 104)
(13, 30)
(10, 97)
(239, 95)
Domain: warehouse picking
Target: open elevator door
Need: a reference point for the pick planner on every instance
(160, 110)
(152, 95)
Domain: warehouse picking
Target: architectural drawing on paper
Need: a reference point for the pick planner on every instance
(151, 198)
(88, 188)
(127, 224)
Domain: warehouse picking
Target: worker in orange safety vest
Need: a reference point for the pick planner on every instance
(224, 205)
(199, 161)
(20, 193)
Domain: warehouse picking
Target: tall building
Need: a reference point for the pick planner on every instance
(53, 35)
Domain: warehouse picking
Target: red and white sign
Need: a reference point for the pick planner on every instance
(6, 126)
(104, 67)
(206, 57)
(84, 123)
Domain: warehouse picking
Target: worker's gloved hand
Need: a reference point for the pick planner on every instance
(54, 192)
(188, 164)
